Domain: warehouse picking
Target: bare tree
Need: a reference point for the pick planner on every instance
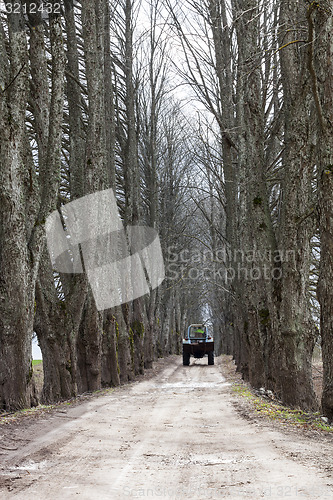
(320, 17)
(296, 333)
(26, 198)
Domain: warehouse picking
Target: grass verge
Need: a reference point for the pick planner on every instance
(37, 411)
(277, 412)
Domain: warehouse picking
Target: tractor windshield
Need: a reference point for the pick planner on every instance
(197, 332)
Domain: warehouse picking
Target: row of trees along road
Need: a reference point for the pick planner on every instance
(212, 122)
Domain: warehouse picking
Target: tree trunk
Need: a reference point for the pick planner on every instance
(320, 17)
(223, 54)
(293, 346)
(256, 235)
(89, 347)
(110, 371)
(89, 342)
(137, 327)
(22, 220)
(56, 323)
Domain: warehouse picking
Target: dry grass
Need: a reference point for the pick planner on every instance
(270, 407)
(38, 377)
(317, 371)
(317, 375)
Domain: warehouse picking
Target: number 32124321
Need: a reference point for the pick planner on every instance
(33, 8)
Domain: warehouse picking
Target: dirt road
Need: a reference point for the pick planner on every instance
(175, 435)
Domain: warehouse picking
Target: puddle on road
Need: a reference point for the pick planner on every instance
(30, 466)
(215, 460)
(193, 460)
(192, 386)
(203, 460)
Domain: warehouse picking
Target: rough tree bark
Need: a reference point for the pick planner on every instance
(320, 17)
(256, 235)
(136, 315)
(56, 323)
(223, 55)
(89, 340)
(151, 98)
(293, 346)
(24, 206)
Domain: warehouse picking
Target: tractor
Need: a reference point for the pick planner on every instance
(197, 343)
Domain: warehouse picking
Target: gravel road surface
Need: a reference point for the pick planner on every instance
(176, 434)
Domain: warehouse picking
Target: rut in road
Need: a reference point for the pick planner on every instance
(175, 436)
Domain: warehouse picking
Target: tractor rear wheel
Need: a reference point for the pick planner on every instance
(186, 358)
(211, 358)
